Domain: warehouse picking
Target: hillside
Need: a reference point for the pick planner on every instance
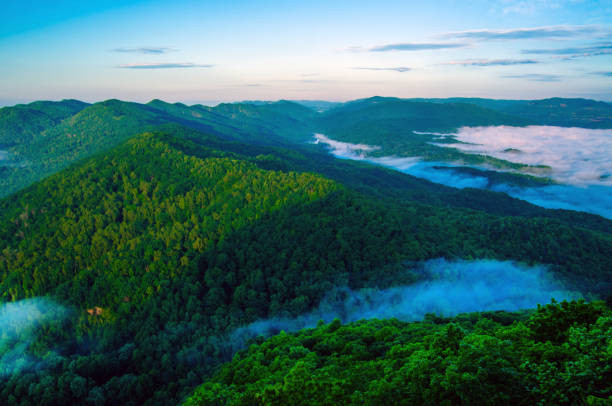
(106, 124)
(45, 139)
(21, 124)
(41, 138)
(555, 111)
(404, 128)
(164, 244)
(557, 355)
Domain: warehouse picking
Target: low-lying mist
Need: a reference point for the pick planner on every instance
(20, 322)
(595, 198)
(447, 288)
(577, 156)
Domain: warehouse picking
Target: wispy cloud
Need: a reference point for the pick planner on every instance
(547, 32)
(162, 66)
(492, 62)
(531, 7)
(412, 46)
(535, 77)
(602, 73)
(145, 50)
(396, 69)
(307, 75)
(574, 52)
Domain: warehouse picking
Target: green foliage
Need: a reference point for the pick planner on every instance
(469, 360)
(178, 237)
(555, 111)
(178, 242)
(395, 126)
(22, 124)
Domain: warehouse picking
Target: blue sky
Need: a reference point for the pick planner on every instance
(212, 51)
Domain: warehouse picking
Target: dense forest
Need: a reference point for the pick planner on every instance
(45, 137)
(162, 228)
(557, 355)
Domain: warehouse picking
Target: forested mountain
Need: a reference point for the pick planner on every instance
(166, 243)
(46, 145)
(410, 127)
(164, 227)
(44, 137)
(559, 355)
(555, 111)
(22, 123)
(420, 116)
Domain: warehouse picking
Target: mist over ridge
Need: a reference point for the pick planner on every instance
(446, 288)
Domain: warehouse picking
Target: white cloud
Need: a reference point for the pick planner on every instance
(577, 156)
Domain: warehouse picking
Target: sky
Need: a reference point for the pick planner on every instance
(216, 51)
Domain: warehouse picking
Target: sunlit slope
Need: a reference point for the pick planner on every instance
(103, 125)
(129, 204)
(558, 355)
(45, 137)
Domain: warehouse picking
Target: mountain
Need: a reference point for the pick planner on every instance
(51, 141)
(161, 246)
(103, 125)
(555, 111)
(318, 105)
(41, 138)
(22, 123)
(411, 129)
(476, 359)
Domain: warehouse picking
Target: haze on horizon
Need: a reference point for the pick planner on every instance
(214, 51)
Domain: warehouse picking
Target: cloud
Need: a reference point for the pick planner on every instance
(411, 46)
(145, 50)
(578, 157)
(573, 52)
(492, 62)
(306, 75)
(396, 69)
(549, 32)
(602, 73)
(445, 288)
(535, 77)
(163, 66)
(530, 7)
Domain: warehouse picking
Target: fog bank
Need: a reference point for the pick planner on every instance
(594, 198)
(447, 288)
(577, 156)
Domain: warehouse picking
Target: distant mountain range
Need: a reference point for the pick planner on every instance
(44, 137)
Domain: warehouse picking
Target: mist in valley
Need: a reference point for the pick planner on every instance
(446, 288)
(586, 169)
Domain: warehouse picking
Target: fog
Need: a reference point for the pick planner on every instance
(577, 156)
(593, 198)
(446, 288)
(20, 322)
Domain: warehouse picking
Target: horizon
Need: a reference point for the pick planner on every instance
(213, 52)
(298, 101)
